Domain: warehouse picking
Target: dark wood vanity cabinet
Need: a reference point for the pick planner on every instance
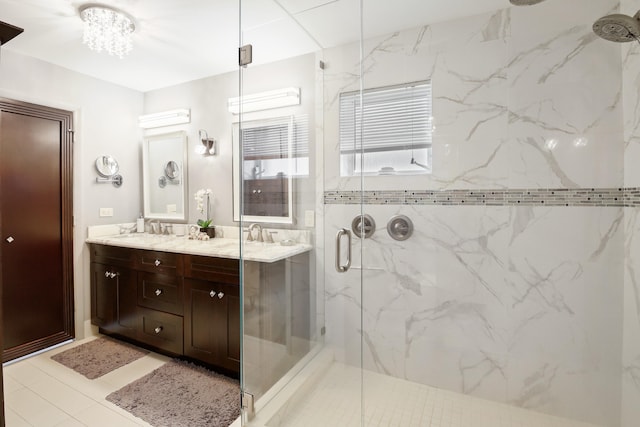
(113, 292)
(113, 285)
(212, 310)
(266, 197)
(212, 320)
(178, 304)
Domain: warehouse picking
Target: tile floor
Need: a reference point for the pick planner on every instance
(40, 392)
(334, 401)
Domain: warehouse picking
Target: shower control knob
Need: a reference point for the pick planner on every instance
(400, 227)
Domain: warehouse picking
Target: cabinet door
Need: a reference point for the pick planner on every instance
(103, 296)
(114, 299)
(266, 197)
(212, 327)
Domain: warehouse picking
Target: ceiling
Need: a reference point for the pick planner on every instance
(182, 40)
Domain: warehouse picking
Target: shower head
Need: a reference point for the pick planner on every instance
(525, 2)
(618, 28)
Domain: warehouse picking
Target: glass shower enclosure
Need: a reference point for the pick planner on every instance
(456, 181)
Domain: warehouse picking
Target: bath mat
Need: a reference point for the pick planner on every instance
(99, 356)
(181, 394)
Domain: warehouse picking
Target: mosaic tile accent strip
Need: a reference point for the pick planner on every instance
(611, 197)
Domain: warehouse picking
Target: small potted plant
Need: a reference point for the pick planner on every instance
(203, 198)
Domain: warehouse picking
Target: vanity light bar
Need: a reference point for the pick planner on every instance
(166, 118)
(265, 100)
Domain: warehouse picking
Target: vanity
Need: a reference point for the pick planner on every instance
(181, 297)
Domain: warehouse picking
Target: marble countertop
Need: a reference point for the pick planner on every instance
(218, 247)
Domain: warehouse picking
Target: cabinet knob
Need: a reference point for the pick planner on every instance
(254, 191)
(220, 295)
(158, 329)
(212, 294)
(158, 292)
(106, 274)
(259, 191)
(157, 262)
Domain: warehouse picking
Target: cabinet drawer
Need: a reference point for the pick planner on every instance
(221, 270)
(113, 255)
(161, 330)
(160, 292)
(159, 262)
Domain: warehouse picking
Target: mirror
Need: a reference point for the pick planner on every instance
(164, 161)
(267, 164)
(172, 170)
(107, 166)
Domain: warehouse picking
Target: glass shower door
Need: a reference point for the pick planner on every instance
(277, 133)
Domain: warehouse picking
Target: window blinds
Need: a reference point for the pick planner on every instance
(395, 118)
(271, 140)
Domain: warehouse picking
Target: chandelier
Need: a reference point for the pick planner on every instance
(106, 28)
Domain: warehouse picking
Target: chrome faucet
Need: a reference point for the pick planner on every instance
(154, 228)
(259, 238)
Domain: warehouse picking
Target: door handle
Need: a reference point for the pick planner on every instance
(339, 267)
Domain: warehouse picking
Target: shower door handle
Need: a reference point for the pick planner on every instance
(339, 267)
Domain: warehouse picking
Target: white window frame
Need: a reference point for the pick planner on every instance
(397, 121)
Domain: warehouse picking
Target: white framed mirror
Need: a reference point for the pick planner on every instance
(164, 165)
(267, 161)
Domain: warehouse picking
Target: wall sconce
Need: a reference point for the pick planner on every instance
(166, 118)
(265, 100)
(208, 147)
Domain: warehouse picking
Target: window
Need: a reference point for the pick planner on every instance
(395, 137)
(265, 147)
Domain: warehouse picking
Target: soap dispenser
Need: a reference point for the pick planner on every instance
(140, 224)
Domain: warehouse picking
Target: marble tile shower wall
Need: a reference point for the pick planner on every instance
(519, 303)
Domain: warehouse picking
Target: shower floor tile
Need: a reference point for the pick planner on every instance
(334, 401)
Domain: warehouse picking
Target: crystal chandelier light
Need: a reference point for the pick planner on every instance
(106, 28)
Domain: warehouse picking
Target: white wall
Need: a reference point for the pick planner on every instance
(105, 121)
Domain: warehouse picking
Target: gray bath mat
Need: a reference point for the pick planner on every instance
(180, 394)
(99, 357)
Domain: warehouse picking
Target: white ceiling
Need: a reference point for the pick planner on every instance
(182, 40)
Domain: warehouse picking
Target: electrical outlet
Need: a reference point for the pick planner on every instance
(309, 218)
(106, 212)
